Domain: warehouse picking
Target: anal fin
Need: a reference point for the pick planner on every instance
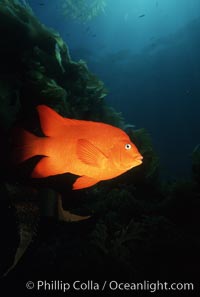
(46, 167)
(84, 182)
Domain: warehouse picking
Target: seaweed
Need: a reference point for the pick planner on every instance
(43, 72)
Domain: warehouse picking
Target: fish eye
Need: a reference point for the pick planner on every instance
(128, 146)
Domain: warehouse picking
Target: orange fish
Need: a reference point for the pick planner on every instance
(92, 150)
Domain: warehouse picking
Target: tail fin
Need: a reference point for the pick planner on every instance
(25, 145)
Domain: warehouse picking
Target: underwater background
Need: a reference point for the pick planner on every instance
(132, 64)
(151, 49)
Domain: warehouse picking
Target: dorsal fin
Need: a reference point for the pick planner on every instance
(51, 122)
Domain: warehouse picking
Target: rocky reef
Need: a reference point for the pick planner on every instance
(36, 68)
(140, 227)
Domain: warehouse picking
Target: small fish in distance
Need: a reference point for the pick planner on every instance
(92, 150)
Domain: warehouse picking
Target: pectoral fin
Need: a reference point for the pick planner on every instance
(90, 154)
(84, 182)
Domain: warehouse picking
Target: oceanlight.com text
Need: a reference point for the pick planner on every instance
(113, 285)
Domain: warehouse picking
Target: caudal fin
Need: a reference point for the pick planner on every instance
(25, 145)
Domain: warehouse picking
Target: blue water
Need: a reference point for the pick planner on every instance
(147, 53)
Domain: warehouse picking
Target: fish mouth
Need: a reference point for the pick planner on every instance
(138, 160)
